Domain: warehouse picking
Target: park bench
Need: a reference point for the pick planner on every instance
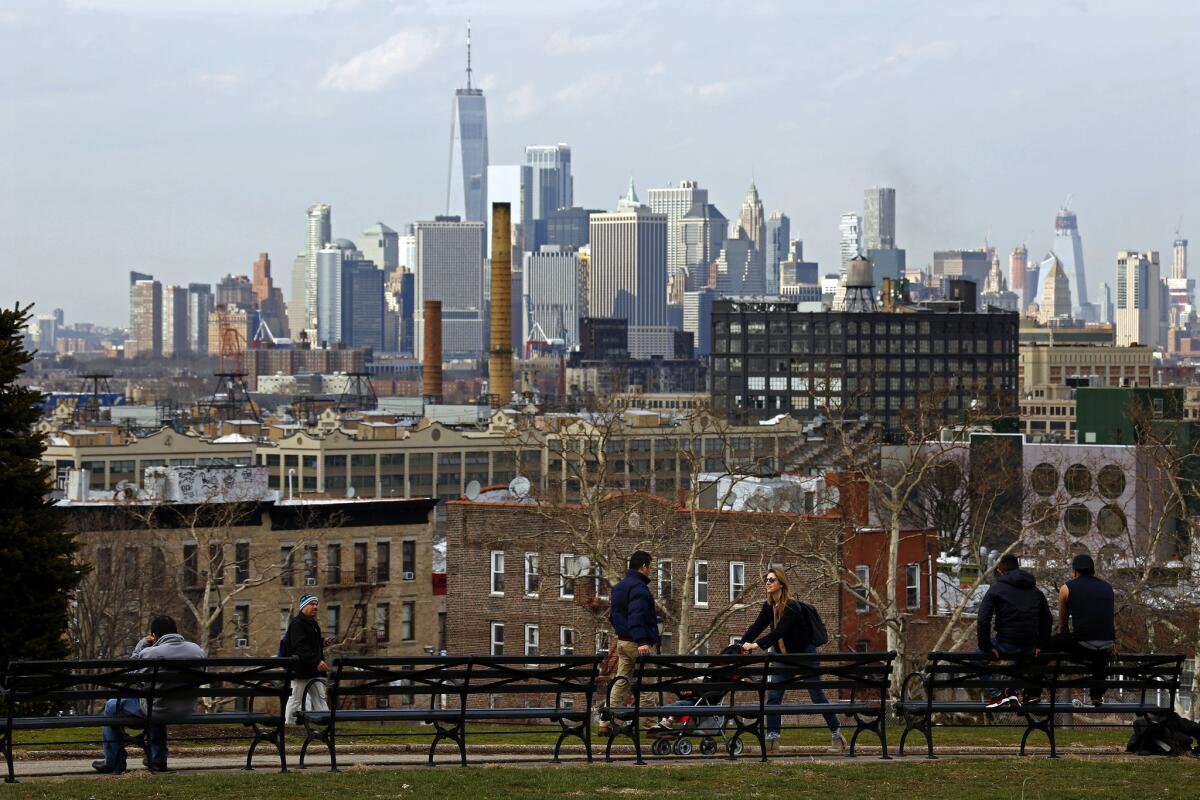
(1137, 684)
(855, 683)
(449, 692)
(60, 695)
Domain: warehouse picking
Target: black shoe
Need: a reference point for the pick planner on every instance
(1097, 702)
(104, 768)
(153, 767)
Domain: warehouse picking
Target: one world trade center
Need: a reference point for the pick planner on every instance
(469, 147)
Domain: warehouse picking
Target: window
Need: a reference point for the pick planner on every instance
(566, 641)
(863, 573)
(497, 638)
(241, 562)
(216, 624)
(360, 562)
(241, 625)
(408, 559)
(310, 565)
(132, 577)
(912, 585)
(532, 640)
(567, 570)
(383, 561)
(497, 584)
(408, 613)
(737, 579)
(701, 588)
(383, 614)
(333, 564)
(333, 620)
(601, 584)
(531, 575)
(104, 565)
(666, 582)
(602, 641)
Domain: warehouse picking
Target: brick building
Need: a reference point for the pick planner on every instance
(516, 584)
(865, 554)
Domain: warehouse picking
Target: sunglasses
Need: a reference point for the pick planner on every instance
(771, 580)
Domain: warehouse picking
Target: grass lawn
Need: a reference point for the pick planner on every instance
(976, 779)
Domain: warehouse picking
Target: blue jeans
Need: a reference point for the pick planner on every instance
(1017, 652)
(775, 697)
(113, 736)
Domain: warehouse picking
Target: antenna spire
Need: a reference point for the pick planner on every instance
(468, 53)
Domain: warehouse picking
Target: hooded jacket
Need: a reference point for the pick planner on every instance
(307, 644)
(1020, 610)
(169, 645)
(632, 611)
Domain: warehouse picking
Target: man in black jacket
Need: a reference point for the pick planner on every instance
(304, 641)
(633, 618)
(1086, 627)
(1022, 622)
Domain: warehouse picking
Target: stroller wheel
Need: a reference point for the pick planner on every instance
(708, 746)
(661, 747)
(683, 747)
(736, 747)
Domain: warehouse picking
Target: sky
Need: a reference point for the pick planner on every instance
(182, 138)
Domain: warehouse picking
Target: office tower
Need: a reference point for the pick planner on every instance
(398, 295)
(318, 234)
(329, 295)
(174, 320)
(779, 234)
(566, 227)
(751, 219)
(1018, 264)
(995, 290)
(1069, 249)
(1033, 271)
(296, 314)
(145, 318)
(970, 265)
(269, 298)
(1055, 302)
(795, 271)
(889, 263)
(740, 268)
(1140, 315)
(850, 230)
(46, 329)
(235, 290)
(879, 219)
(513, 184)
(553, 185)
(697, 318)
(469, 147)
(200, 305)
(450, 270)
(704, 230)
(627, 276)
(1106, 304)
(1179, 267)
(675, 203)
(407, 245)
(1180, 287)
(363, 305)
(553, 293)
(381, 246)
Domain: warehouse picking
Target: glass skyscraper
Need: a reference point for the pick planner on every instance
(469, 147)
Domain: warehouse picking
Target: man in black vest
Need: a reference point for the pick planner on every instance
(1086, 607)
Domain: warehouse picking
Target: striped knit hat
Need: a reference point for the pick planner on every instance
(308, 598)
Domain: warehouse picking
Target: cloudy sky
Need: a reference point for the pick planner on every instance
(183, 137)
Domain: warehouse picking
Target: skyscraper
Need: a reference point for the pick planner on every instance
(174, 320)
(850, 230)
(675, 203)
(704, 230)
(779, 234)
(1179, 267)
(381, 246)
(1069, 249)
(740, 267)
(1106, 304)
(329, 294)
(200, 305)
(751, 219)
(1055, 302)
(628, 269)
(145, 317)
(513, 184)
(470, 158)
(879, 219)
(269, 298)
(553, 293)
(1140, 315)
(1018, 263)
(552, 183)
(319, 233)
(450, 269)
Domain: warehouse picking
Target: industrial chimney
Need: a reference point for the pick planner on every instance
(500, 355)
(431, 359)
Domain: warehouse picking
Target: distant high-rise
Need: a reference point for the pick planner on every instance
(552, 183)
(1179, 268)
(330, 286)
(269, 298)
(200, 305)
(469, 159)
(145, 317)
(318, 234)
(675, 203)
(779, 233)
(1055, 302)
(1106, 304)
(751, 220)
(174, 320)
(513, 184)
(1141, 317)
(1069, 249)
(297, 310)
(380, 245)
(236, 290)
(740, 268)
(553, 291)
(850, 234)
(628, 268)
(879, 219)
(703, 230)
(1018, 263)
(566, 227)
(449, 269)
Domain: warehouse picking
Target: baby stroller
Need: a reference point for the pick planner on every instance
(700, 716)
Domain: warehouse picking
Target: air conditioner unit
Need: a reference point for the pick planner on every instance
(310, 581)
(241, 643)
(408, 576)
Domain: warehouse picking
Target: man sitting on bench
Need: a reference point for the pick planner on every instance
(1022, 618)
(1086, 607)
(163, 641)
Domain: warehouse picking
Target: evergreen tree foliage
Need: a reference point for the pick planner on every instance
(37, 568)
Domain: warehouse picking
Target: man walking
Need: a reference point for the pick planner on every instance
(633, 619)
(1022, 623)
(163, 641)
(1086, 631)
(304, 641)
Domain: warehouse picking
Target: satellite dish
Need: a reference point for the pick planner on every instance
(350, 491)
(473, 490)
(519, 486)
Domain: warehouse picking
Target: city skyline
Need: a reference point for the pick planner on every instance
(128, 147)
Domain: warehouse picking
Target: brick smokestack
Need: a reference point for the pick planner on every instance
(431, 360)
(500, 354)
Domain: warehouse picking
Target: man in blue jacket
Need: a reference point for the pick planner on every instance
(633, 618)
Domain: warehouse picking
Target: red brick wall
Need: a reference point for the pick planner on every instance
(869, 547)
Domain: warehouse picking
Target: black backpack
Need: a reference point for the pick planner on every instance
(283, 646)
(814, 626)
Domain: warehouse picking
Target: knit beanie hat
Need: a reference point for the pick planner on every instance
(308, 598)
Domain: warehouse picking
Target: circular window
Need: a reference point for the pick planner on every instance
(1077, 519)
(1044, 479)
(1078, 480)
(1079, 549)
(1108, 556)
(1044, 519)
(435, 434)
(1111, 481)
(1111, 521)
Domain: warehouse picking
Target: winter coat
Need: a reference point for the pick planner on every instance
(791, 629)
(1021, 613)
(307, 644)
(632, 611)
(169, 645)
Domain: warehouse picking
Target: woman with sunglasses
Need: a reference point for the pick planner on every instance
(786, 632)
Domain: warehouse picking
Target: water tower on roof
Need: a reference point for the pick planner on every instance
(860, 286)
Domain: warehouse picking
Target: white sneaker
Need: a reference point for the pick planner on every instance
(772, 741)
(838, 743)
(1003, 701)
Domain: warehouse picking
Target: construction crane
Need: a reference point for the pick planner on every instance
(231, 399)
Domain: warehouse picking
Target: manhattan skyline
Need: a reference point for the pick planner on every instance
(151, 137)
